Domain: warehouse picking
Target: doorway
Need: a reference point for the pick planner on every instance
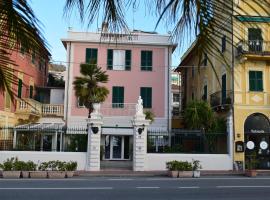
(117, 147)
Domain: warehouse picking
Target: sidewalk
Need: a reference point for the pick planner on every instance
(130, 173)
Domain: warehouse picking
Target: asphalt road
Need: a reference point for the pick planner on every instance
(91, 188)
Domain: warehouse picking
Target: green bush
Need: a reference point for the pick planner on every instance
(179, 165)
(70, 166)
(13, 164)
(58, 166)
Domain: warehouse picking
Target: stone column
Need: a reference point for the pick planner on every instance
(94, 136)
(230, 137)
(140, 125)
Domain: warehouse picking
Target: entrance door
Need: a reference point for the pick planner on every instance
(117, 147)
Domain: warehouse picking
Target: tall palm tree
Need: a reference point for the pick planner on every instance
(206, 20)
(19, 28)
(87, 88)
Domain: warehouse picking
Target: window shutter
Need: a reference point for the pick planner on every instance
(20, 88)
(149, 60)
(146, 94)
(110, 59)
(121, 95)
(128, 60)
(91, 56)
(118, 97)
(31, 90)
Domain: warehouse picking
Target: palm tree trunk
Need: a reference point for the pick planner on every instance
(90, 110)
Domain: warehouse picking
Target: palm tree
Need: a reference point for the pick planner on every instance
(87, 88)
(18, 29)
(206, 20)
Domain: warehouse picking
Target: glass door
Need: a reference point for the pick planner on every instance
(116, 147)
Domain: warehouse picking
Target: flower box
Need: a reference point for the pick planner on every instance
(185, 174)
(38, 174)
(56, 174)
(11, 174)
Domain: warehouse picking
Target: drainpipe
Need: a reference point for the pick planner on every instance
(233, 139)
(67, 83)
(169, 94)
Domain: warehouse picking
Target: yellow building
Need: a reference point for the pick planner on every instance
(243, 89)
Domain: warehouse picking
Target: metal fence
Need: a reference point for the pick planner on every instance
(186, 141)
(36, 138)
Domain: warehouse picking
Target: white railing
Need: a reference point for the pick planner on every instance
(52, 110)
(118, 109)
(30, 106)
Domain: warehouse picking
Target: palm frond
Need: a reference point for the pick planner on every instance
(18, 28)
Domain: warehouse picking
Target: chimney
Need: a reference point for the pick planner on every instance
(104, 27)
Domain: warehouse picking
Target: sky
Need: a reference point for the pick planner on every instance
(55, 25)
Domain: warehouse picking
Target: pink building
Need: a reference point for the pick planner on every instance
(138, 64)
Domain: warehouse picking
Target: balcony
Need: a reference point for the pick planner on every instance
(32, 107)
(254, 49)
(220, 101)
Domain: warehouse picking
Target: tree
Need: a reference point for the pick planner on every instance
(199, 115)
(201, 19)
(19, 28)
(87, 88)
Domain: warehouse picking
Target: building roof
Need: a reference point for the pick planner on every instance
(134, 38)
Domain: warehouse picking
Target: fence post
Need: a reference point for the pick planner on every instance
(140, 125)
(94, 136)
(14, 139)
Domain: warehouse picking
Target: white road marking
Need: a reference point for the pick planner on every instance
(243, 186)
(147, 187)
(120, 179)
(81, 188)
(191, 187)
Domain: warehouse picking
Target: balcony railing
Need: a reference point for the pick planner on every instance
(30, 106)
(253, 47)
(221, 99)
(118, 109)
(53, 110)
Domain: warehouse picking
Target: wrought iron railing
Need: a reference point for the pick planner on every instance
(221, 98)
(186, 141)
(253, 46)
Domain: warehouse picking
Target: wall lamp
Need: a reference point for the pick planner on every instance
(140, 130)
(94, 128)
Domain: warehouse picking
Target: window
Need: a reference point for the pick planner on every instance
(255, 81)
(7, 100)
(223, 88)
(91, 56)
(146, 94)
(33, 59)
(20, 85)
(118, 97)
(205, 59)
(146, 60)
(176, 97)
(192, 96)
(223, 43)
(80, 103)
(204, 97)
(31, 91)
(118, 59)
(255, 39)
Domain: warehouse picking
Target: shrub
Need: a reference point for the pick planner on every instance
(179, 165)
(8, 165)
(70, 166)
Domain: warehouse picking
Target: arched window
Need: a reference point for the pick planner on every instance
(257, 123)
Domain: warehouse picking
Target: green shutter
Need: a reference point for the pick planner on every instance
(91, 56)
(110, 59)
(255, 81)
(31, 90)
(128, 60)
(20, 88)
(146, 94)
(118, 97)
(146, 60)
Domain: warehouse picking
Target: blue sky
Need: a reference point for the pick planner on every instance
(55, 25)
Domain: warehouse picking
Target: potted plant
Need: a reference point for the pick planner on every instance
(56, 169)
(251, 163)
(70, 167)
(172, 167)
(28, 167)
(41, 173)
(184, 169)
(9, 169)
(196, 166)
